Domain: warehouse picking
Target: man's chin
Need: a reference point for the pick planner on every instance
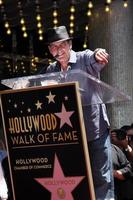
(61, 59)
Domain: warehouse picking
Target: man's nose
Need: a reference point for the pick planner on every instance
(59, 50)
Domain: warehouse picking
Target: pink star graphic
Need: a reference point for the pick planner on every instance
(60, 186)
(64, 116)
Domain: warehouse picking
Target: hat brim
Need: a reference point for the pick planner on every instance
(61, 40)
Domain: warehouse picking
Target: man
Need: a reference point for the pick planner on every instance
(96, 121)
(120, 138)
(123, 174)
(3, 185)
(129, 131)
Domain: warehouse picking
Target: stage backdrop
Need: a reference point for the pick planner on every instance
(46, 143)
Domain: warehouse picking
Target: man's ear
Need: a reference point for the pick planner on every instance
(49, 49)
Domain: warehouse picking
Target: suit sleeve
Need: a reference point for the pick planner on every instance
(126, 167)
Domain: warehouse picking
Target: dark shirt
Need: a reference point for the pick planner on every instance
(123, 188)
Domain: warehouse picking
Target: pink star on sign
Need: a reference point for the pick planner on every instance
(60, 186)
(64, 116)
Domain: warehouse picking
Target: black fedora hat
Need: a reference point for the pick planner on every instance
(56, 34)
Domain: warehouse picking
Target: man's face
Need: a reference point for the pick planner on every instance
(120, 143)
(114, 139)
(60, 50)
